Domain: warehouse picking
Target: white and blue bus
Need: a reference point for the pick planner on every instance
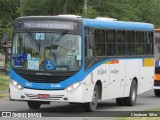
(78, 60)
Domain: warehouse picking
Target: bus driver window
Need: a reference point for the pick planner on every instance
(72, 56)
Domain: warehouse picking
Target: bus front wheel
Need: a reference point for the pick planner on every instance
(91, 106)
(157, 92)
(34, 104)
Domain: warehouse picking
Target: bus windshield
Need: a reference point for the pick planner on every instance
(157, 45)
(46, 51)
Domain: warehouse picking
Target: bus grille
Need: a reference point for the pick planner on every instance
(52, 97)
(44, 79)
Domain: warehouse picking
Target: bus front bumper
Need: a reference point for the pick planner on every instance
(156, 87)
(157, 84)
(46, 95)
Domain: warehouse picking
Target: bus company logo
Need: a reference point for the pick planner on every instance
(115, 71)
(47, 74)
(101, 72)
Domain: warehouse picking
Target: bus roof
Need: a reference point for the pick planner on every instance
(99, 23)
(58, 17)
(118, 25)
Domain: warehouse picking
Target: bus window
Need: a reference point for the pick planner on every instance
(99, 43)
(121, 43)
(157, 45)
(110, 43)
(140, 43)
(89, 46)
(19, 45)
(130, 37)
(89, 41)
(149, 43)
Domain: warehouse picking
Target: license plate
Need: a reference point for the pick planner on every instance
(43, 96)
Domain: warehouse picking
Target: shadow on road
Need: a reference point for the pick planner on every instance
(102, 106)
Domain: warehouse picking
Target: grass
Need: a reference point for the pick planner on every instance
(139, 118)
(156, 109)
(4, 82)
(142, 118)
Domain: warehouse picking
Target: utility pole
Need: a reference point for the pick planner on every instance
(85, 8)
(7, 48)
(21, 6)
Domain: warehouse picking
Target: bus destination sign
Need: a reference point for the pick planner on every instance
(46, 24)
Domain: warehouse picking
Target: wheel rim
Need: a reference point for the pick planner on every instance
(133, 95)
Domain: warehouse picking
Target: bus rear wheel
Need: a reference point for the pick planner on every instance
(91, 106)
(157, 92)
(119, 101)
(34, 104)
(131, 100)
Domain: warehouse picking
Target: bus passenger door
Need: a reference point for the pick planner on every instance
(146, 75)
(117, 77)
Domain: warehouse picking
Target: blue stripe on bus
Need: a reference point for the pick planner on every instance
(102, 62)
(79, 76)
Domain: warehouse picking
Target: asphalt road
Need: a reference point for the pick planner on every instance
(145, 102)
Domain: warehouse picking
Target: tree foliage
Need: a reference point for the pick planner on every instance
(52, 7)
(125, 10)
(8, 12)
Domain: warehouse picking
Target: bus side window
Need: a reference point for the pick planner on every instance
(121, 47)
(89, 42)
(149, 43)
(99, 42)
(130, 38)
(86, 39)
(89, 46)
(110, 43)
(140, 43)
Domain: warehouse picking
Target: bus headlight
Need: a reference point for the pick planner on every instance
(16, 84)
(73, 86)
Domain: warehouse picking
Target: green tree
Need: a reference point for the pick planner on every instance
(8, 12)
(125, 10)
(52, 7)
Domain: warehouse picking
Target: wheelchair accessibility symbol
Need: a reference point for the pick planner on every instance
(50, 65)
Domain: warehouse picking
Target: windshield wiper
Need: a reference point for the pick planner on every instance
(62, 34)
(55, 46)
(30, 34)
(33, 39)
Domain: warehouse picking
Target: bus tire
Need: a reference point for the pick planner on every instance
(73, 103)
(157, 92)
(131, 100)
(91, 106)
(119, 101)
(34, 104)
